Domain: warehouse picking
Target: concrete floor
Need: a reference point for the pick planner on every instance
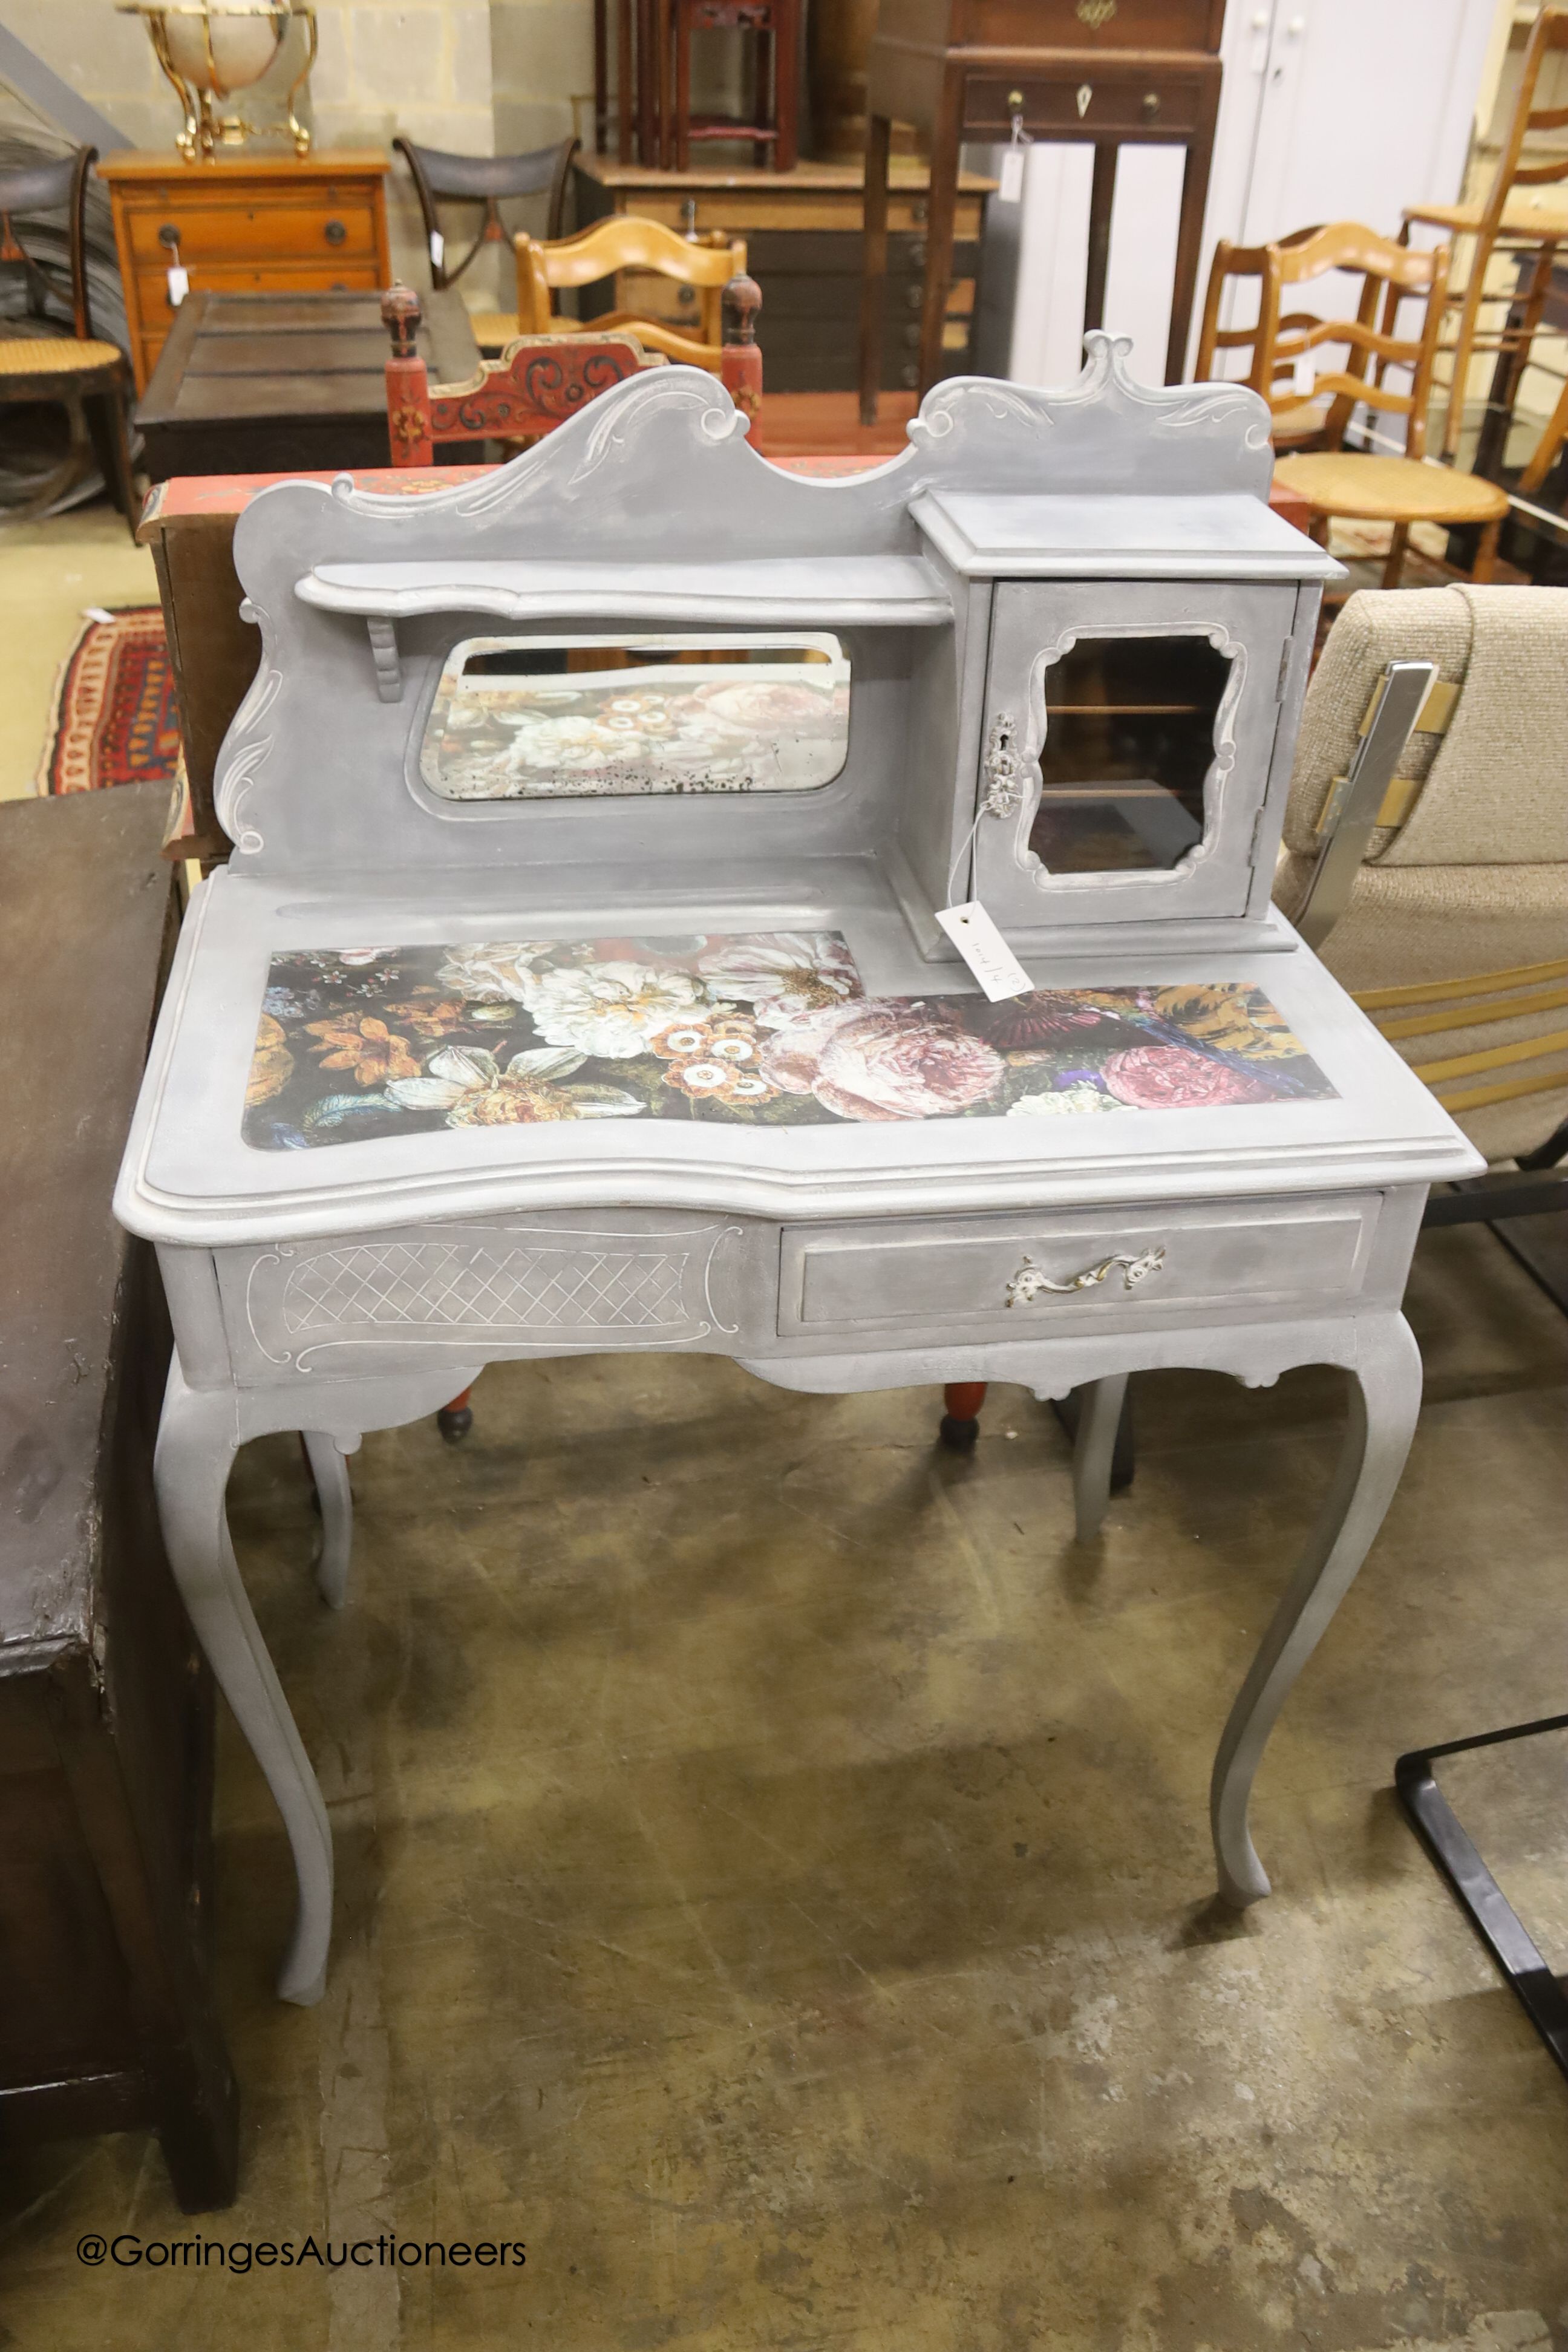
(775, 1873)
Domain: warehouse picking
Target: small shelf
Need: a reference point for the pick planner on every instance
(897, 591)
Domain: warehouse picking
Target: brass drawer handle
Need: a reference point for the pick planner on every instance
(1028, 1282)
(1151, 105)
(334, 232)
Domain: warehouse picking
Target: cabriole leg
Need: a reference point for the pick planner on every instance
(197, 1440)
(331, 1473)
(1385, 1397)
(1099, 1419)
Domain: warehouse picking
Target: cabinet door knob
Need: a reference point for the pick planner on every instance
(334, 232)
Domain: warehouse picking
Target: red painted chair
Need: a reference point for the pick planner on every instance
(538, 383)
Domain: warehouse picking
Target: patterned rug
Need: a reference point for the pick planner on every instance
(114, 720)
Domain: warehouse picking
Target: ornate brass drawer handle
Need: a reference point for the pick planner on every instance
(1028, 1282)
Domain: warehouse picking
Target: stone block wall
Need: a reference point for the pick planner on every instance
(477, 76)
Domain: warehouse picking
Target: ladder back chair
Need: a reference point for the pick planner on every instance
(1425, 844)
(713, 267)
(1362, 484)
(40, 361)
(1295, 421)
(1507, 221)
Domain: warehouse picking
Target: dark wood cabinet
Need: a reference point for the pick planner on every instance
(107, 2019)
(1102, 72)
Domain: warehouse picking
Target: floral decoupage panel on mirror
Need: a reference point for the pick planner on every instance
(770, 1027)
(555, 718)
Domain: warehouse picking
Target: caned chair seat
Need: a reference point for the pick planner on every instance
(1299, 424)
(1523, 216)
(494, 327)
(1389, 489)
(53, 354)
(76, 371)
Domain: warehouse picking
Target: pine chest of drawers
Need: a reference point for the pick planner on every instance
(312, 225)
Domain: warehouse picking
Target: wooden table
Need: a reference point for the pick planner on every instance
(107, 2021)
(243, 223)
(1104, 71)
(803, 238)
(270, 382)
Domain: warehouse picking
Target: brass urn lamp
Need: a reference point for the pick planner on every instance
(212, 49)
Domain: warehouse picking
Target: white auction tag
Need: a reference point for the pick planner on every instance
(985, 950)
(1304, 378)
(1010, 179)
(179, 286)
(438, 247)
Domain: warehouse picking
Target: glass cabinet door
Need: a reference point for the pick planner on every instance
(1129, 732)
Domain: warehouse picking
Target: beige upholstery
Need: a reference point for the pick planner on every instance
(1473, 888)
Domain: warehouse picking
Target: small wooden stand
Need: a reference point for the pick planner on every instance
(1101, 71)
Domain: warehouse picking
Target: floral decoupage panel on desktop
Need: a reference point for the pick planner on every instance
(761, 1026)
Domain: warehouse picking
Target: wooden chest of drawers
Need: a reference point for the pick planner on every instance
(316, 225)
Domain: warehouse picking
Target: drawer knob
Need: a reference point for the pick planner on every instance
(1029, 1281)
(1151, 105)
(334, 232)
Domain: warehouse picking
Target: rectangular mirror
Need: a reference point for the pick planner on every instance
(1131, 726)
(557, 718)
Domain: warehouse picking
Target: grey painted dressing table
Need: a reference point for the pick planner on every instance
(576, 982)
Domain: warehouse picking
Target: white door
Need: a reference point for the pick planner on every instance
(1340, 109)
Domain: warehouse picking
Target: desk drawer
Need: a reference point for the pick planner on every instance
(1151, 104)
(236, 233)
(1023, 1276)
(634, 1278)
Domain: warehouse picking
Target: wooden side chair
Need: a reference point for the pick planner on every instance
(1356, 483)
(1297, 423)
(714, 267)
(539, 382)
(1505, 220)
(484, 180)
(39, 363)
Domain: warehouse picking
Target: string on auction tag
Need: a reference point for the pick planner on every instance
(1010, 174)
